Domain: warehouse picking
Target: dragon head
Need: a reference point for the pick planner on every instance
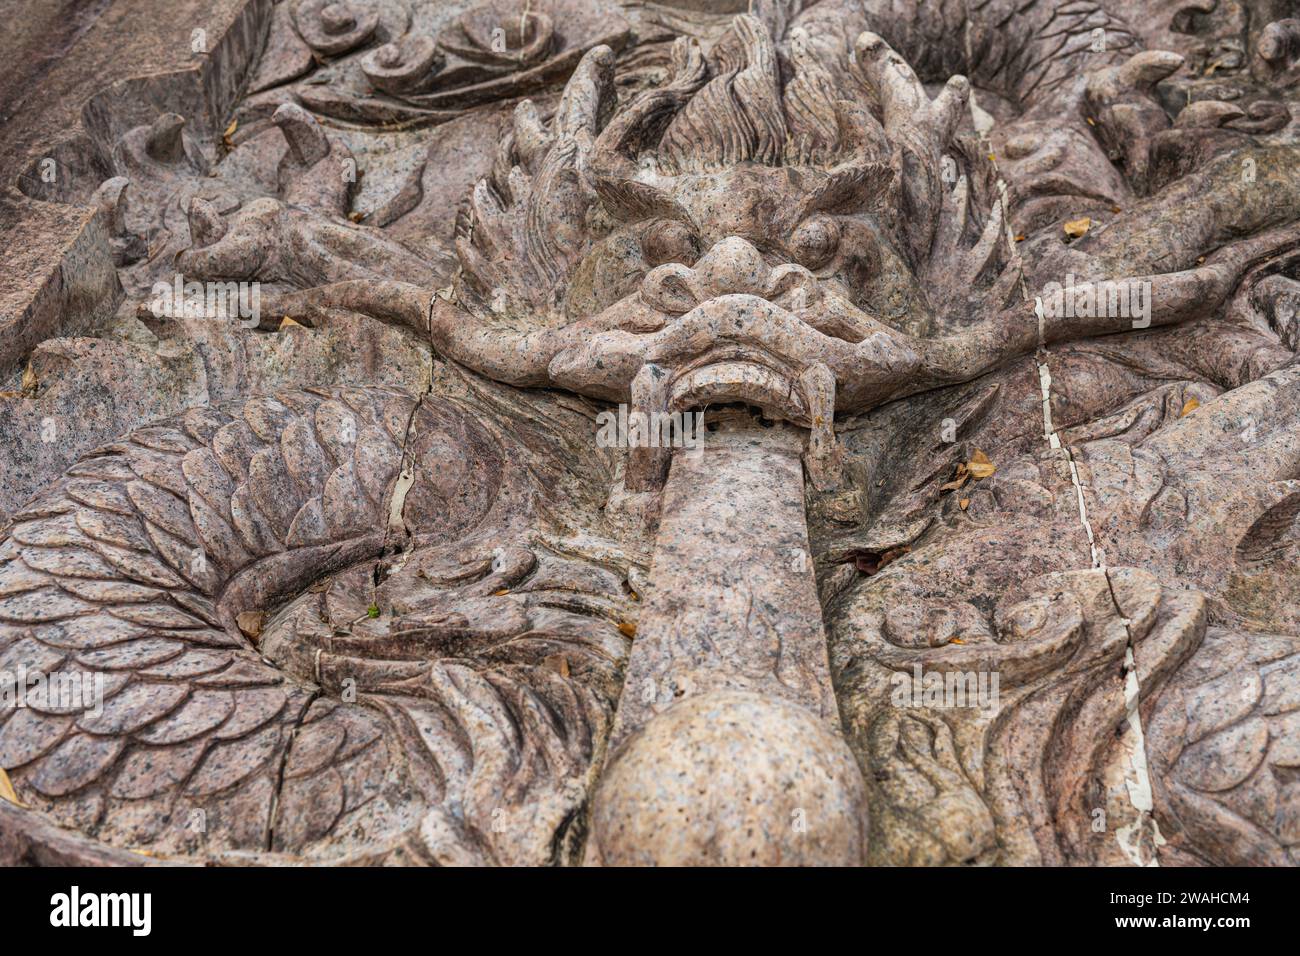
(764, 226)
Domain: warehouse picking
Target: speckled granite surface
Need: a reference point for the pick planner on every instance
(337, 341)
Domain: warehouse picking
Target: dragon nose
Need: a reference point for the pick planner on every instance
(732, 266)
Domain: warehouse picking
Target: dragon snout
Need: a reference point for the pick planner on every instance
(731, 267)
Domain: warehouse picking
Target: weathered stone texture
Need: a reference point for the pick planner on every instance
(351, 509)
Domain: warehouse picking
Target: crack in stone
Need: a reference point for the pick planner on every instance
(1137, 778)
(396, 522)
(394, 525)
(273, 816)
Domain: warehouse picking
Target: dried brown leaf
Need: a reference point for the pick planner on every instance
(979, 465)
(7, 789)
(250, 623)
(1076, 228)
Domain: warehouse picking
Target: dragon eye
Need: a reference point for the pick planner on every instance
(669, 241)
(815, 241)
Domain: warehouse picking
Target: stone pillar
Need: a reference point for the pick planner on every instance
(727, 747)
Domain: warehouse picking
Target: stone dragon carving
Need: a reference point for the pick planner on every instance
(1014, 284)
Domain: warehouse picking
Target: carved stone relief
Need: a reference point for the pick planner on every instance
(583, 432)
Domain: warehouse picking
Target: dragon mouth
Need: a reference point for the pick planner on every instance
(733, 348)
(759, 346)
(718, 382)
(741, 348)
